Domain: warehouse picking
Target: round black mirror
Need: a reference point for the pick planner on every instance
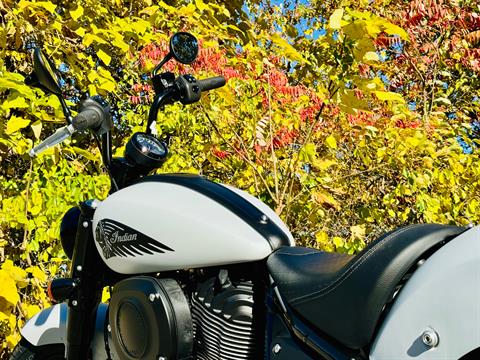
(184, 47)
(44, 70)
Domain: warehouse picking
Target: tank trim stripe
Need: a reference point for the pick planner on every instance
(241, 207)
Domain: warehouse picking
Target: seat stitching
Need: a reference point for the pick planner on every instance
(349, 271)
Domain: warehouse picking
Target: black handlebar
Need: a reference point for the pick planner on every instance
(94, 115)
(211, 83)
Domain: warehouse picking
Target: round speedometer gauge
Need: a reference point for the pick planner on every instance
(145, 150)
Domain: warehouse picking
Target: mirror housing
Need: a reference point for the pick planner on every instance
(45, 75)
(183, 48)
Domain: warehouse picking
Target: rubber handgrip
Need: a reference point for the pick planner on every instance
(90, 118)
(211, 83)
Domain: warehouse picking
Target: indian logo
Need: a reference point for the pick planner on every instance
(117, 239)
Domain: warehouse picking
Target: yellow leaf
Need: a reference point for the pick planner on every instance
(288, 49)
(149, 10)
(105, 294)
(104, 57)
(75, 14)
(47, 5)
(321, 237)
(324, 198)
(9, 289)
(18, 102)
(15, 123)
(37, 129)
(336, 19)
(392, 29)
(37, 273)
(32, 310)
(80, 31)
(371, 56)
(389, 96)
(358, 231)
(324, 164)
(107, 85)
(331, 142)
(338, 241)
(92, 90)
(13, 339)
(201, 5)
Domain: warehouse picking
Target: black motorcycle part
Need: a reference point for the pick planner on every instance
(150, 318)
(241, 207)
(352, 289)
(68, 230)
(82, 304)
(223, 319)
(146, 152)
(60, 290)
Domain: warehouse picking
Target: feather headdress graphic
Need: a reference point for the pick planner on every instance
(117, 239)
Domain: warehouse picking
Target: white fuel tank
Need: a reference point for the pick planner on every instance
(172, 222)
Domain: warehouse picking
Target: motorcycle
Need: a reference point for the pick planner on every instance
(202, 270)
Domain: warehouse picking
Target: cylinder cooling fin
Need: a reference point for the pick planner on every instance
(150, 319)
(223, 321)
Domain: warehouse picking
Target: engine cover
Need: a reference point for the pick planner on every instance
(150, 318)
(223, 321)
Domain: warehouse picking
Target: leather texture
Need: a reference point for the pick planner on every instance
(343, 295)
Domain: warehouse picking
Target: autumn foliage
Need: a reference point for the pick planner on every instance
(348, 119)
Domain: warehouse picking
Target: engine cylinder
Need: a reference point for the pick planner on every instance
(223, 321)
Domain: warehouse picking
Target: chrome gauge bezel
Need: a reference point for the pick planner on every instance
(139, 139)
(139, 154)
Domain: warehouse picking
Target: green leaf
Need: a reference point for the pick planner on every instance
(308, 153)
(15, 124)
(104, 57)
(336, 19)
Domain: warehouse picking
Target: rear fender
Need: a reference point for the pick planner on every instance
(442, 299)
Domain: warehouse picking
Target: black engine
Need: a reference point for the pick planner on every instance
(153, 318)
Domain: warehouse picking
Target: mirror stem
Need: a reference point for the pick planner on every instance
(159, 66)
(66, 110)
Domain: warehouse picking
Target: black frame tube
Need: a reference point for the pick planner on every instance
(82, 306)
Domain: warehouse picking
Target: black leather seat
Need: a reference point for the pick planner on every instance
(343, 295)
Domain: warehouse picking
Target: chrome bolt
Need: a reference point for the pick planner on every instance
(162, 358)
(263, 219)
(85, 224)
(276, 348)
(109, 328)
(79, 268)
(74, 302)
(151, 297)
(430, 337)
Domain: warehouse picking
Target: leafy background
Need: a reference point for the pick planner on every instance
(347, 118)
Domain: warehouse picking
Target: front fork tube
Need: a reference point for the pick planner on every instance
(82, 306)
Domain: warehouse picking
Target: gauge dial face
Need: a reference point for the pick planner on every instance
(149, 145)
